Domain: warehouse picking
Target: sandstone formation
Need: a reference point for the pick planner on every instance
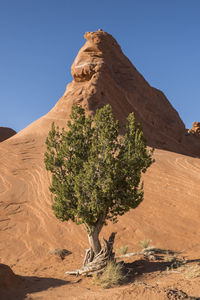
(195, 129)
(169, 214)
(6, 133)
(103, 74)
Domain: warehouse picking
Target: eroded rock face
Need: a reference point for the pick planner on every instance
(195, 129)
(103, 74)
(6, 133)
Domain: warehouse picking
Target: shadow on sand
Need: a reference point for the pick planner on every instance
(30, 284)
(142, 266)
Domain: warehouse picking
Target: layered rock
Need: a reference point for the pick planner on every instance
(6, 133)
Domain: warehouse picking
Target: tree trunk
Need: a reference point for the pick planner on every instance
(99, 261)
(94, 242)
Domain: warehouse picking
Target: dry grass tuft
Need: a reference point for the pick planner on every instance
(190, 271)
(112, 275)
(145, 243)
(123, 249)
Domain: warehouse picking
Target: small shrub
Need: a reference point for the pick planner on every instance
(112, 275)
(123, 249)
(145, 243)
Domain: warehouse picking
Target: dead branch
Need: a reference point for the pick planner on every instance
(150, 251)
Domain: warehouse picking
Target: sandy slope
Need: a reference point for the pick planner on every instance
(169, 216)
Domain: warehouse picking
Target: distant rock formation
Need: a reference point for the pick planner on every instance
(6, 133)
(195, 129)
(103, 74)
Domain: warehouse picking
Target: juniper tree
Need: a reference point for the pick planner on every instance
(96, 174)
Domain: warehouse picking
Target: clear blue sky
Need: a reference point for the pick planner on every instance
(39, 40)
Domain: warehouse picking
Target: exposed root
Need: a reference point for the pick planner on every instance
(99, 261)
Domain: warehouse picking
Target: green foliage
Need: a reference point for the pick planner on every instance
(112, 275)
(95, 174)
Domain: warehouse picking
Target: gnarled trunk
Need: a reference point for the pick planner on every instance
(93, 238)
(97, 257)
(99, 261)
